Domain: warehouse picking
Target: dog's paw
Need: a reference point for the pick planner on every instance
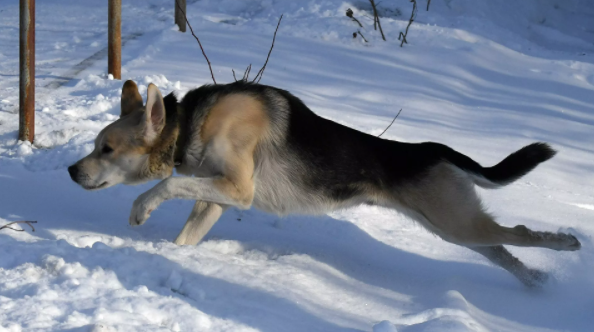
(569, 242)
(535, 278)
(574, 243)
(141, 211)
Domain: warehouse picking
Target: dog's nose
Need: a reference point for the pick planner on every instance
(73, 170)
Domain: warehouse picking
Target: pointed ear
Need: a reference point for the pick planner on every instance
(131, 99)
(155, 110)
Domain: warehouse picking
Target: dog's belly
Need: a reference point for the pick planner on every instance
(280, 188)
(282, 197)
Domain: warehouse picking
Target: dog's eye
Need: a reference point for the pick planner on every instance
(106, 149)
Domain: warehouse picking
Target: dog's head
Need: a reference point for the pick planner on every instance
(124, 150)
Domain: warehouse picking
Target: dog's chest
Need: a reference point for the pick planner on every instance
(200, 161)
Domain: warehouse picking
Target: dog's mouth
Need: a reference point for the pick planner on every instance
(101, 186)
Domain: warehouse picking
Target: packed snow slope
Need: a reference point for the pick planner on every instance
(483, 76)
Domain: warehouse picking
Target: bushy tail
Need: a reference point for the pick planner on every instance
(513, 167)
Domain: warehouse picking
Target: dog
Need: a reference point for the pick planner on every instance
(250, 145)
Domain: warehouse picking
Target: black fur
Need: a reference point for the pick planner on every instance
(338, 158)
(519, 163)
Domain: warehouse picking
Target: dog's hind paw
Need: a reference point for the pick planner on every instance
(569, 242)
(575, 245)
(534, 278)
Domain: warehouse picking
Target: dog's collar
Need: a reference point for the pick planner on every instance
(167, 151)
(180, 144)
(181, 123)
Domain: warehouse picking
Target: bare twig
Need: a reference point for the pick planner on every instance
(198, 40)
(360, 34)
(261, 72)
(412, 18)
(246, 74)
(390, 125)
(28, 222)
(349, 13)
(376, 18)
(428, 3)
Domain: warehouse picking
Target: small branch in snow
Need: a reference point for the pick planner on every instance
(197, 39)
(376, 19)
(261, 72)
(349, 13)
(28, 222)
(428, 3)
(360, 34)
(390, 125)
(402, 36)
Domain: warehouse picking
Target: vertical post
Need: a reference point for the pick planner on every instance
(180, 9)
(27, 71)
(114, 35)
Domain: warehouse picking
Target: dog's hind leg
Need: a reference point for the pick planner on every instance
(453, 210)
(204, 215)
(524, 237)
(500, 256)
(487, 232)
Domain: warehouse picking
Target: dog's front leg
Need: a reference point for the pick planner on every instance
(204, 215)
(218, 190)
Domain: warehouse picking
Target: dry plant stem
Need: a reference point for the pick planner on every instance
(349, 13)
(28, 222)
(198, 40)
(377, 19)
(412, 18)
(261, 72)
(360, 34)
(246, 74)
(428, 3)
(390, 125)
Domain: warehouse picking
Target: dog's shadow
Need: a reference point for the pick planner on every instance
(351, 251)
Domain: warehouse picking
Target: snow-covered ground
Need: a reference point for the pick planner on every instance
(483, 76)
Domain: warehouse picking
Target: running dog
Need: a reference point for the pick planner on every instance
(244, 144)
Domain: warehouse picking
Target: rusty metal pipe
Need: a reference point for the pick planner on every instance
(114, 36)
(27, 71)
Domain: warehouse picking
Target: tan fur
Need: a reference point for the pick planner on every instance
(233, 127)
(131, 99)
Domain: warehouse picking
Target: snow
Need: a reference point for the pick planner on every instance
(485, 77)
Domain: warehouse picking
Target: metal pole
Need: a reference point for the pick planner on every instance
(180, 20)
(114, 36)
(27, 71)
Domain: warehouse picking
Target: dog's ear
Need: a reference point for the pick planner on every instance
(131, 99)
(154, 115)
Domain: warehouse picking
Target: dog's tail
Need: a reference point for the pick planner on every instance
(508, 170)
